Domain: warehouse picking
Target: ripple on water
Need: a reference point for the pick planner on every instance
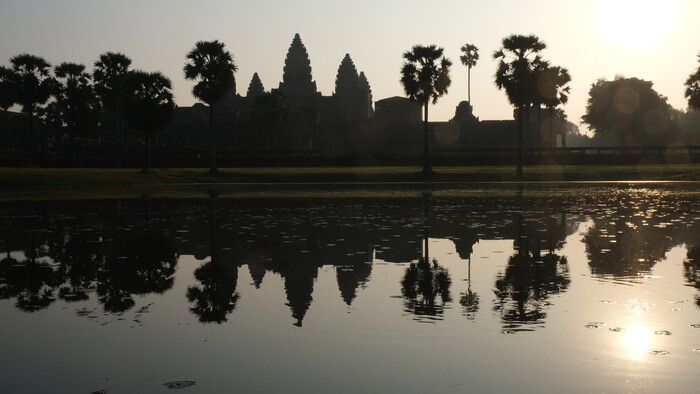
(697, 350)
(595, 324)
(658, 352)
(695, 325)
(179, 384)
(617, 329)
(662, 332)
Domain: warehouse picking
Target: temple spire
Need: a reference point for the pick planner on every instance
(297, 81)
(255, 88)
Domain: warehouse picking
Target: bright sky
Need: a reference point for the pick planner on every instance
(655, 40)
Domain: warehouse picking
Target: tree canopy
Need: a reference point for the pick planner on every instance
(627, 107)
(692, 91)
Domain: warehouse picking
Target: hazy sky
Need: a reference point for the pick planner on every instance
(655, 40)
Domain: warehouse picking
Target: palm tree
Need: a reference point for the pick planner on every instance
(78, 104)
(110, 72)
(469, 59)
(553, 89)
(8, 95)
(213, 66)
(34, 86)
(424, 81)
(517, 60)
(148, 105)
(692, 91)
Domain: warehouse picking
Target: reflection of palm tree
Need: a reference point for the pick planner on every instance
(216, 297)
(469, 299)
(147, 266)
(79, 260)
(422, 283)
(526, 285)
(32, 283)
(692, 270)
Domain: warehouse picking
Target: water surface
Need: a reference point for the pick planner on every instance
(589, 289)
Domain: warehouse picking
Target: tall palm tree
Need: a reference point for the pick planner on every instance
(470, 55)
(518, 58)
(8, 94)
(79, 106)
(148, 105)
(110, 72)
(425, 76)
(213, 66)
(692, 91)
(553, 89)
(34, 86)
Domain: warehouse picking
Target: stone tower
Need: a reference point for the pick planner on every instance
(255, 88)
(297, 82)
(352, 92)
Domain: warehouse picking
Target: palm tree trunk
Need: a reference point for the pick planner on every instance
(427, 169)
(519, 168)
(552, 134)
(469, 85)
(32, 138)
(117, 159)
(539, 127)
(147, 166)
(212, 168)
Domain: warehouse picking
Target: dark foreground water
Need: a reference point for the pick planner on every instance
(590, 289)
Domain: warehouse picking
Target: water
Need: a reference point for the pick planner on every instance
(585, 289)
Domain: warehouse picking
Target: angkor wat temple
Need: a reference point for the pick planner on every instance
(346, 122)
(293, 119)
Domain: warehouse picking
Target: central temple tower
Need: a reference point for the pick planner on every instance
(297, 82)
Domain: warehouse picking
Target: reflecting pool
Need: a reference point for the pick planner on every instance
(588, 288)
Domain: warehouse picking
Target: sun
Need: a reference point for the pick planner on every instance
(636, 24)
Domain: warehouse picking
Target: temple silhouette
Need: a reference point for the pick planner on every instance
(292, 123)
(346, 122)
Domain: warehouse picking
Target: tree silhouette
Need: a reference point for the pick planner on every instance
(109, 75)
(34, 85)
(691, 267)
(8, 94)
(627, 107)
(76, 100)
(424, 81)
(216, 297)
(553, 90)
(213, 66)
(518, 59)
(268, 114)
(470, 55)
(692, 89)
(147, 266)
(148, 105)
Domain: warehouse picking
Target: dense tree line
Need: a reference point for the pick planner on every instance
(71, 98)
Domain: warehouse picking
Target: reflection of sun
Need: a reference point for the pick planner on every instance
(636, 23)
(636, 339)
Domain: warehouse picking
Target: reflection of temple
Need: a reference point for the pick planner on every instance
(119, 249)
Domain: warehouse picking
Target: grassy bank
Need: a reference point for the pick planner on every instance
(56, 184)
(37, 178)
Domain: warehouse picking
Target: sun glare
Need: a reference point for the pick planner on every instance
(635, 24)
